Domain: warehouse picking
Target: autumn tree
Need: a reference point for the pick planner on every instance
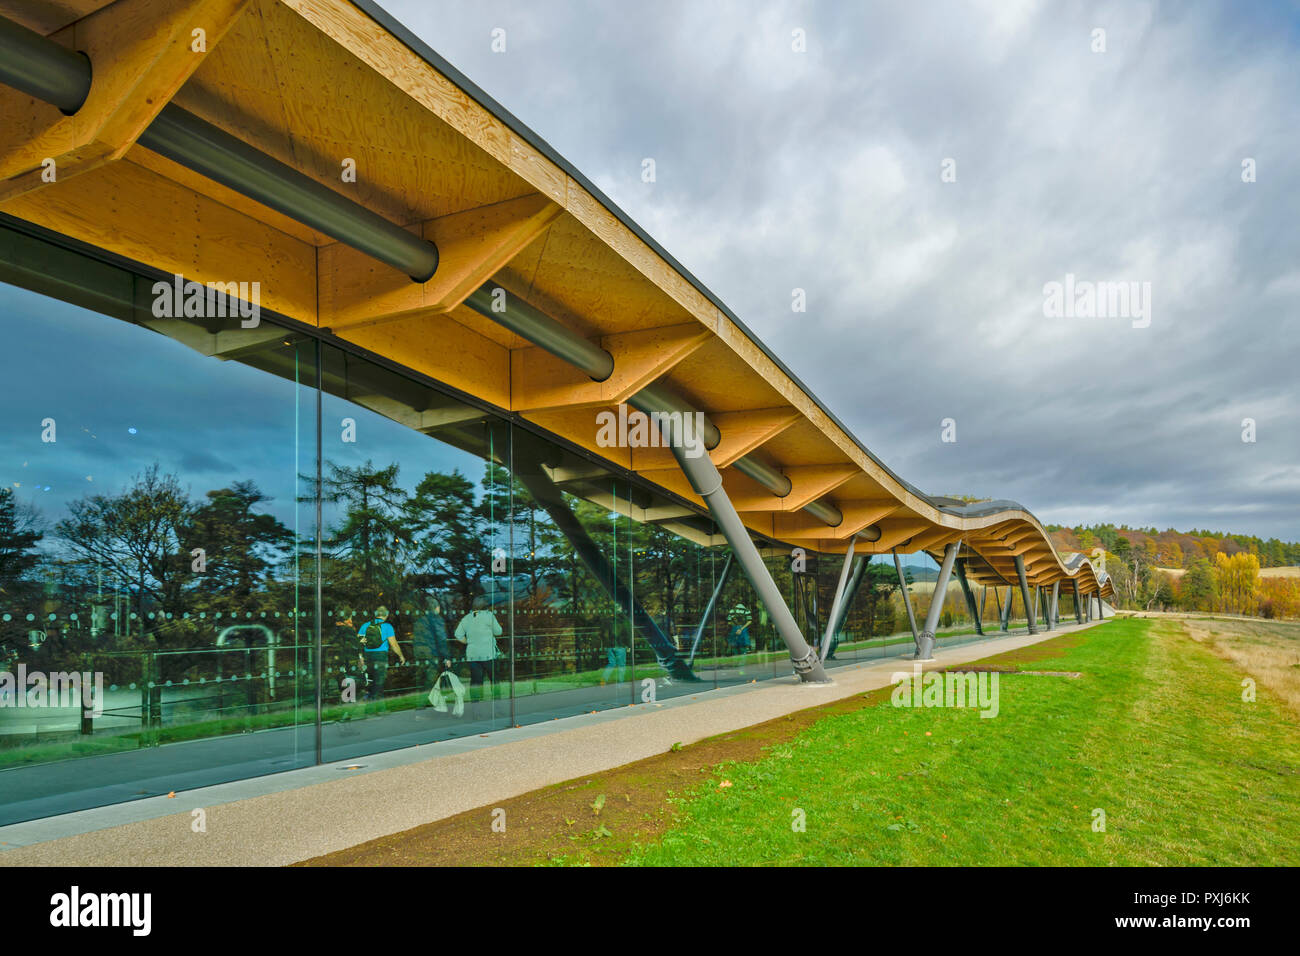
(1237, 581)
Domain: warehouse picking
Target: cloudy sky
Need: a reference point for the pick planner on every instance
(822, 170)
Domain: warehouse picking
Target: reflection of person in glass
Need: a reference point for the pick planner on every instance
(478, 631)
(738, 621)
(432, 651)
(376, 637)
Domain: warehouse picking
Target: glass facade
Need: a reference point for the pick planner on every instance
(227, 551)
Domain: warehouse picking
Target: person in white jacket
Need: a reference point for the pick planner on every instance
(478, 631)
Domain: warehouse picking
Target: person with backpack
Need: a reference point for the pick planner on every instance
(738, 639)
(376, 637)
(478, 631)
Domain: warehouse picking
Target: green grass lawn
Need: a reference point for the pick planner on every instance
(1154, 732)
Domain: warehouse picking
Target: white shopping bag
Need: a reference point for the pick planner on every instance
(439, 702)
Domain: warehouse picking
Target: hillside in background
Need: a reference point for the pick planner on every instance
(1193, 570)
(1175, 549)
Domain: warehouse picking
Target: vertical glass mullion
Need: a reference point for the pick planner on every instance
(318, 628)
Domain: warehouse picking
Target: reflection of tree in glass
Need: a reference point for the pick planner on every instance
(660, 559)
(19, 535)
(447, 532)
(136, 536)
(368, 542)
(242, 547)
(879, 582)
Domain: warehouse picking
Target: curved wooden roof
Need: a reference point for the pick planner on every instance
(315, 82)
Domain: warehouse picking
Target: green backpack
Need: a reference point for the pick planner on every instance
(372, 635)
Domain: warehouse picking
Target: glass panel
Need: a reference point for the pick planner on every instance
(575, 593)
(155, 549)
(676, 575)
(416, 575)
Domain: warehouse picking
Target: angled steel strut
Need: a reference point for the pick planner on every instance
(693, 459)
(907, 599)
(703, 475)
(925, 643)
(551, 499)
(838, 604)
(975, 612)
(855, 581)
(708, 610)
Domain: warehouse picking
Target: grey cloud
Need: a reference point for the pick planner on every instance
(821, 171)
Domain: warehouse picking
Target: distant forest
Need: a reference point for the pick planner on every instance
(1193, 570)
(1176, 549)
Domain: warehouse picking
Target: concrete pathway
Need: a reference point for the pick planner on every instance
(334, 806)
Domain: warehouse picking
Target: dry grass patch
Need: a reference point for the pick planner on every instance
(1268, 651)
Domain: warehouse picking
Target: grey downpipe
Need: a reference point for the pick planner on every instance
(925, 644)
(39, 67)
(42, 68)
(1024, 594)
(496, 303)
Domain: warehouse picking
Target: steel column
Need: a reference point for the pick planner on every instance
(855, 581)
(1005, 611)
(1056, 602)
(925, 644)
(1078, 608)
(1024, 594)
